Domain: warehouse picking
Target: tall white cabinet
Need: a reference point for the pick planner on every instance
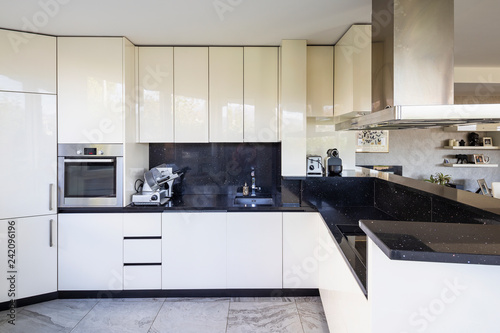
(320, 81)
(260, 94)
(156, 89)
(92, 95)
(226, 94)
(191, 94)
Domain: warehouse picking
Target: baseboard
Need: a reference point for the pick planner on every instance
(30, 300)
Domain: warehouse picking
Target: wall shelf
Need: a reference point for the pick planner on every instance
(470, 165)
(472, 147)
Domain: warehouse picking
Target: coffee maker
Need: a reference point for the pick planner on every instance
(333, 163)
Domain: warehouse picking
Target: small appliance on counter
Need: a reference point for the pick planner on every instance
(333, 163)
(157, 188)
(314, 166)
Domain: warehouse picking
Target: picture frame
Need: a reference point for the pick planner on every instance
(479, 159)
(483, 187)
(487, 141)
(372, 141)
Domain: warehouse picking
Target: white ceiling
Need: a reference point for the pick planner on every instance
(239, 22)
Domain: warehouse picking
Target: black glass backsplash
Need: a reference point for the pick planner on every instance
(220, 168)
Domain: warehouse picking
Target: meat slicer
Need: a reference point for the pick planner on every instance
(157, 188)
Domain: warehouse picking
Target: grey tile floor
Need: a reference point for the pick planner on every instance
(179, 315)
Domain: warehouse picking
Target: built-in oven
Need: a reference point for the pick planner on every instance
(90, 175)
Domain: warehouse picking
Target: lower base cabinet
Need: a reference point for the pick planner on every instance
(194, 250)
(254, 250)
(33, 255)
(90, 252)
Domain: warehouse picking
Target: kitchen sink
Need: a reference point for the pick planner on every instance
(252, 201)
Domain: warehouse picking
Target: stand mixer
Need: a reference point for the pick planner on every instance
(158, 186)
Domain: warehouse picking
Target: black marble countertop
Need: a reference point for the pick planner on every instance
(195, 202)
(436, 242)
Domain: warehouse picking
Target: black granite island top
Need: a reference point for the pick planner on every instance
(436, 242)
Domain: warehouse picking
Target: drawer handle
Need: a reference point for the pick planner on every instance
(51, 240)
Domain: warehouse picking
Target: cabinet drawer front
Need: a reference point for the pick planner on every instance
(138, 225)
(141, 251)
(141, 277)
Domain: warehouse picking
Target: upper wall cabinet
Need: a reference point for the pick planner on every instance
(191, 94)
(27, 62)
(260, 94)
(320, 81)
(226, 94)
(352, 84)
(91, 89)
(156, 89)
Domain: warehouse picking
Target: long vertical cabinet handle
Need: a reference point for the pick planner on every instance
(51, 241)
(51, 197)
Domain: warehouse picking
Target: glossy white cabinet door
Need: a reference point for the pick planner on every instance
(254, 250)
(194, 250)
(90, 252)
(226, 94)
(320, 81)
(156, 89)
(191, 94)
(27, 62)
(29, 154)
(260, 94)
(301, 255)
(90, 89)
(353, 63)
(293, 107)
(37, 255)
(142, 224)
(4, 283)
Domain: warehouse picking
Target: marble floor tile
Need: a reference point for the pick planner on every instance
(196, 317)
(152, 299)
(312, 317)
(197, 299)
(257, 317)
(52, 316)
(119, 317)
(262, 299)
(316, 299)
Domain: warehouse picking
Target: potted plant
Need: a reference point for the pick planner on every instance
(439, 178)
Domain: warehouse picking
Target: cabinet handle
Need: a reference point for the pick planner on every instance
(51, 197)
(51, 242)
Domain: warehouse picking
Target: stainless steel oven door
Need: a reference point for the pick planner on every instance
(90, 182)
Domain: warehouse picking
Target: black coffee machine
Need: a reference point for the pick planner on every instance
(333, 163)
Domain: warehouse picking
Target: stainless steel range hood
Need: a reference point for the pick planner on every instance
(413, 69)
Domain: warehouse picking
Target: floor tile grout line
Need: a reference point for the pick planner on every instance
(78, 323)
(300, 317)
(159, 310)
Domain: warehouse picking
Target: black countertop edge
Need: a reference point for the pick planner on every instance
(479, 201)
(436, 242)
(162, 209)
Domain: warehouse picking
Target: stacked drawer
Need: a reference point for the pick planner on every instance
(142, 251)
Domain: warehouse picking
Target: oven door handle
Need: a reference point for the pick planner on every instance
(89, 160)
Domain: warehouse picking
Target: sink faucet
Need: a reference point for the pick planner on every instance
(253, 183)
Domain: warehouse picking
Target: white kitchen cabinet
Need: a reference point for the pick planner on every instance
(194, 250)
(92, 96)
(37, 255)
(27, 62)
(260, 94)
(226, 94)
(320, 81)
(300, 250)
(293, 84)
(33, 255)
(90, 251)
(142, 224)
(156, 89)
(29, 154)
(254, 250)
(191, 94)
(346, 307)
(353, 63)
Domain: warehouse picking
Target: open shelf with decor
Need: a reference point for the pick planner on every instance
(470, 165)
(472, 147)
